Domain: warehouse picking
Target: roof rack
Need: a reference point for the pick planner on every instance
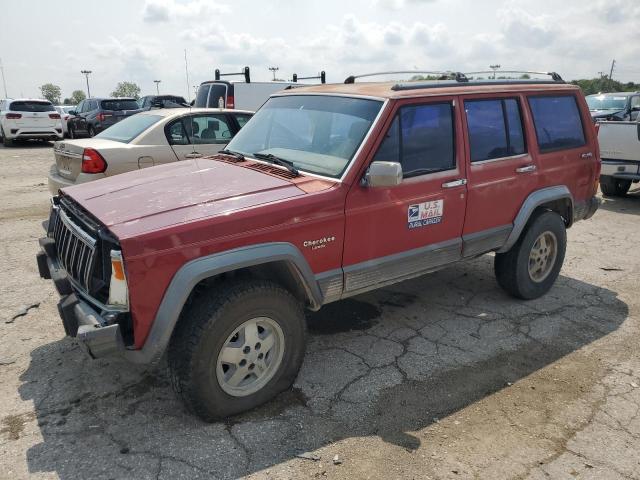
(554, 76)
(443, 75)
(322, 76)
(245, 72)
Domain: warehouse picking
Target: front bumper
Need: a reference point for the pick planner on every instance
(622, 169)
(96, 333)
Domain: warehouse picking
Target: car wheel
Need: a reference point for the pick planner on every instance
(72, 133)
(92, 132)
(614, 187)
(7, 142)
(236, 349)
(530, 268)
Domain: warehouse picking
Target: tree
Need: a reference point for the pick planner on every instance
(51, 92)
(77, 96)
(126, 89)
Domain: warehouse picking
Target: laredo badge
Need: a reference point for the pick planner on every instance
(423, 214)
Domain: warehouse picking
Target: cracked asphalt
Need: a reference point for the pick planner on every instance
(440, 377)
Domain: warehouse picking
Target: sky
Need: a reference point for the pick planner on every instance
(44, 41)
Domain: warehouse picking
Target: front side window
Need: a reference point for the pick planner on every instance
(495, 129)
(318, 133)
(557, 121)
(421, 139)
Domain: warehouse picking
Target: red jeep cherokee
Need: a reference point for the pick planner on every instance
(327, 192)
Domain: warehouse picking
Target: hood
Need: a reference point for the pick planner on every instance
(150, 199)
(605, 113)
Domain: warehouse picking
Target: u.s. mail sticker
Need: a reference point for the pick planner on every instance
(423, 214)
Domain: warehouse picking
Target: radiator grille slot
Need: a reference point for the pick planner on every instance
(76, 249)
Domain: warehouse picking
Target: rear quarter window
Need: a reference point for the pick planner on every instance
(557, 122)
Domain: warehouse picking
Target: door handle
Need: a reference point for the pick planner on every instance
(528, 168)
(586, 155)
(455, 183)
(193, 155)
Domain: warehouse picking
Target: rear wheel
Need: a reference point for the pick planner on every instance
(530, 268)
(614, 187)
(72, 133)
(92, 132)
(7, 142)
(237, 348)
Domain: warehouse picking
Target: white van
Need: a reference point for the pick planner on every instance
(243, 95)
(29, 119)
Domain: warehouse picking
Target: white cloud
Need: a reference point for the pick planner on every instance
(400, 4)
(160, 11)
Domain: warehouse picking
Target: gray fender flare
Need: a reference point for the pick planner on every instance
(191, 273)
(533, 201)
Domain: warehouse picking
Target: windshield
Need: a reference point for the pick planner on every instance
(317, 133)
(129, 128)
(31, 106)
(606, 102)
(119, 105)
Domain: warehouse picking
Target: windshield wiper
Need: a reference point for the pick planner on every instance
(237, 155)
(270, 157)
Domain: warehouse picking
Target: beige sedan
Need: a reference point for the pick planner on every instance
(144, 140)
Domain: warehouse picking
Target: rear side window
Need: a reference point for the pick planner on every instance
(557, 121)
(495, 129)
(421, 138)
(29, 106)
(119, 105)
(129, 128)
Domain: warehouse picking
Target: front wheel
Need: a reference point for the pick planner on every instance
(614, 187)
(92, 132)
(237, 348)
(530, 268)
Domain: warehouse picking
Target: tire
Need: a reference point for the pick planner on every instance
(613, 187)
(72, 133)
(527, 273)
(7, 142)
(209, 323)
(91, 131)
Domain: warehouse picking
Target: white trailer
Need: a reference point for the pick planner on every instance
(620, 154)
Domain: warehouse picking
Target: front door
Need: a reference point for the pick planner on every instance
(403, 231)
(199, 135)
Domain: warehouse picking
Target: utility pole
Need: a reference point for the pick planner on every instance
(494, 68)
(4, 84)
(274, 70)
(86, 73)
(157, 82)
(613, 64)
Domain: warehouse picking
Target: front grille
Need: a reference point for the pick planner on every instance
(76, 249)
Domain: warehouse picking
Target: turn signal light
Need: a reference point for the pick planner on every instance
(92, 161)
(118, 289)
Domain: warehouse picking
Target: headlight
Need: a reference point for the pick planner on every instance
(118, 290)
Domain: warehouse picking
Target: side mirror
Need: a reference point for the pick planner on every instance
(72, 112)
(383, 174)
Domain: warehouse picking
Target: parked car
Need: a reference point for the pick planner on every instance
(327, 192)
(64, 110)
(28, 119)
(93, 115)
(162, 101)
(144, 140)
(620, 153)
(617, 106)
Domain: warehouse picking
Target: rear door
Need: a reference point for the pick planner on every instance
(502, 171)
(402, 231)
(199, 135)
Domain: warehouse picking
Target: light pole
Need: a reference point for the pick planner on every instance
(157, 82)
(86, 73)
(4, 84)
(494, 68)
(274, 70)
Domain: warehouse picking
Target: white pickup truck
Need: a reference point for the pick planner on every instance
(620, 153)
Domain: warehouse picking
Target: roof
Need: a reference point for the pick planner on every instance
(384, 90)
(11, 100)
(168, 112)
(610, 94)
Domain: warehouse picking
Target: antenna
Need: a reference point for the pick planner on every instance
(186, 71)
